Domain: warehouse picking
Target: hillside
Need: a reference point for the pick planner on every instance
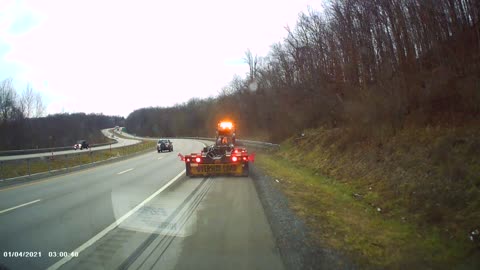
(410, 200)
(365, 65)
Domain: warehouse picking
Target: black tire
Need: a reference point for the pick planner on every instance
(245, 171)
(158, 151)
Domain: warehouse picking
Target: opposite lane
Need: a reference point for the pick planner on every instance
(122, 142)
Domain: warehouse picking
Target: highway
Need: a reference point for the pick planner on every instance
(139, 213)
(121, 143)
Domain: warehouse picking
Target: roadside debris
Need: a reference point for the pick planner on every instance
(475, 237)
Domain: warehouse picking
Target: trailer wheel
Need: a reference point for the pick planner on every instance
(245, 171)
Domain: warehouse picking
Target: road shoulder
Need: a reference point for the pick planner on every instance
(290, 232)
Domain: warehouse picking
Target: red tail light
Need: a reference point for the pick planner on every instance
(188, 160)
(198, 160)
(251, 157)
(234, 159)
(245, 158)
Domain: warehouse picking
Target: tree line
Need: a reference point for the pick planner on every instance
(371, 65)
(17, 106)
(23, 124)
(56, 130)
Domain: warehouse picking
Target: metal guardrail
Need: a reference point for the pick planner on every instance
(245, 142)
(46, 150)
(260, 144)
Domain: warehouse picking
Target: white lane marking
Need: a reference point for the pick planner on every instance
(125, 171)
(18, 206)
(159, 158)
(113, 225)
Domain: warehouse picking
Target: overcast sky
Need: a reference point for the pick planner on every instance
(115, 56)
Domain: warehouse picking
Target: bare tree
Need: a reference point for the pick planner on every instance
(8, 100)
(27, 101)
(252, 62)
(38, 106)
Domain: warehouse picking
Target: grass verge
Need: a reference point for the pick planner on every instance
(347, 198)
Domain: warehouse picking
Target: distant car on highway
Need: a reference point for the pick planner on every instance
(81, 144)
(164, 144)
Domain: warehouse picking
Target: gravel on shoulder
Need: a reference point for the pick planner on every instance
(291, 233)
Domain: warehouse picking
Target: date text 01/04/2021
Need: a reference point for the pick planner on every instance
(22, 254)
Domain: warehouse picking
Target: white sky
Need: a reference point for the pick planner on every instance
(115, 56)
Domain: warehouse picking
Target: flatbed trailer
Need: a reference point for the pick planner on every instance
(224, 157)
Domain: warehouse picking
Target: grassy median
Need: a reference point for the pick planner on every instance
(16, 168)
(370, 206)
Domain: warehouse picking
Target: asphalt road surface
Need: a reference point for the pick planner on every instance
(121, 142)
(140, 213)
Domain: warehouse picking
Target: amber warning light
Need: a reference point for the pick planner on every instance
(225, 125)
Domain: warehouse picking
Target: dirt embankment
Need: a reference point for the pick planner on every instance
(408, 200)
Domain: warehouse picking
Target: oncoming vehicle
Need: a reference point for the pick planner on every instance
(224, 157)
(164, 144)
(81, 144)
